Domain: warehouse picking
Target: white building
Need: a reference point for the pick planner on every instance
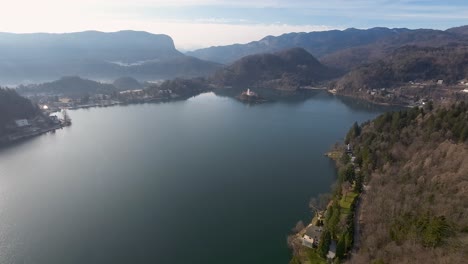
(22, 122)
(308, 241)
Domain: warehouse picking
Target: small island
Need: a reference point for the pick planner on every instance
(250, 97)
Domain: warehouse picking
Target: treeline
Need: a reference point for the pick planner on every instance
(72, 86)
(182, 87)
(13, 106)
(414, 164)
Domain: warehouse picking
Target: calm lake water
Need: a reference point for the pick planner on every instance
(206, 180)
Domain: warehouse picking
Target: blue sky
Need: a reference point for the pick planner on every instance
(201, 23)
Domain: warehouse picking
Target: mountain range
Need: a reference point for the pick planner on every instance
(372, 58)
(42, 57)
(340, 49)
(70, 86)
(317, 43)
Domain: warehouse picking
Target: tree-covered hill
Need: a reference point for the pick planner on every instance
(350, 58)
(73, 86)
(414, 164)
(408, 64)
(13, 106)
(284, 70)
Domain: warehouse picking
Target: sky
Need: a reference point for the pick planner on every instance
(202, 23)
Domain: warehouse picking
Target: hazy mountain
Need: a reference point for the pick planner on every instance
(72, 86)
(285, 70)
(92, 54)
(316, 43)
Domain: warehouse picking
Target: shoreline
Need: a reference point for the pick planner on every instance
(344, 203)
(12, 138)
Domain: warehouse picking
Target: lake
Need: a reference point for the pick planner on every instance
(205, 180)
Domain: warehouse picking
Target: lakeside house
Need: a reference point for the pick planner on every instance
(311, 238)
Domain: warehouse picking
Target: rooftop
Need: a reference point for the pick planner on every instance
(314, 232)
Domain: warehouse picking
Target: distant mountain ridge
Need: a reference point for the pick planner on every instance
(342, 49)
(317, 43)
(72, 86)
(91, 54)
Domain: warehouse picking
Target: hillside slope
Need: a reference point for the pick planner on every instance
(350, 58)
(414, 209)
(72, 86)
(408, 71)
(285, 70)
(13, 106)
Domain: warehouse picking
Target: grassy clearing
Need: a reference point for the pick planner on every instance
(314, 258)
(347, 200)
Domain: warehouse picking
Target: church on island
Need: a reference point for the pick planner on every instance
(249, 93)
(250, 97)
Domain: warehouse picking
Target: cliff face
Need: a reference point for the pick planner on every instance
(414, 209)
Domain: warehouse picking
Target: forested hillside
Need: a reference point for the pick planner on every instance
(68, 86)
(285, 70)
(409, 73)
(13, 106)
(415, 169)
(350, 58)
(411, 63)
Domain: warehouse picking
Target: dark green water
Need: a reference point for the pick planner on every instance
(207, 180)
